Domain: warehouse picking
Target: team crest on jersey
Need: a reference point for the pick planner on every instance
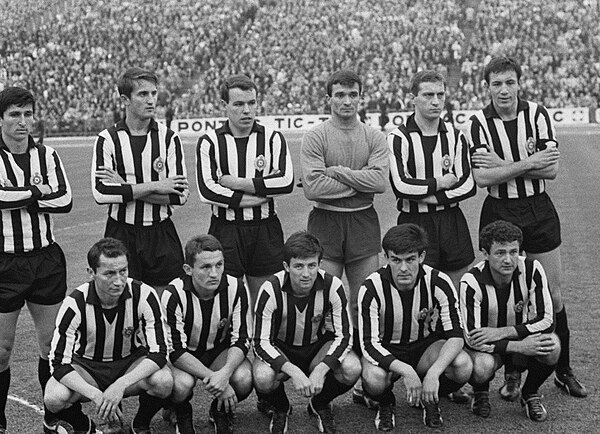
(260, 162)
(158, 165)
(425, 314)
(222, 323)
(519, 306)
(446, 162)
(530, 145)
(317, 318)
(36, 179)
(127, 331)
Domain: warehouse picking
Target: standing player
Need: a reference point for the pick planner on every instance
(138, 169)
(430, 174)
(33, 186)
(514, 152)
(209, 322)
(344, 164)
(303, 333)
(507, 311)
(109, 343)
(240, 168)
(398, 337)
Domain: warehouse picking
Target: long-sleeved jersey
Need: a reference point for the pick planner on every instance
(526, 304)
(197, 325)
(300, 321)
(387, 315)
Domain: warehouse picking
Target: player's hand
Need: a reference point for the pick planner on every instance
(173, 185)
(217, 382)
(486, 159)
(447, 181)
(537, 345)
(111, 398)
(485, 335)
(317, 377)
(545, 158)
(45, 189)
(108, 174)
(227, 399)
(431, 386)
(303, 384)
(413, 386)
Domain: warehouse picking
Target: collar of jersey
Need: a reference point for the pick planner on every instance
(490, 111)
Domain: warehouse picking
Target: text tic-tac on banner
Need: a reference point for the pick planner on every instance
(301, 122)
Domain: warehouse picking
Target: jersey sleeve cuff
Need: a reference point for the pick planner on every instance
(259, 186)
(236, 198)
(386, 362)
(127, 193)
(331, 361)
(500, 346)
(278, 363)
(522, 331)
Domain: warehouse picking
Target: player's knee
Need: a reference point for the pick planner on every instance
(552, 358)
(56, 396)
(161, 383)
(461, 367)
(483, 368)
(183, 383)
(350, 369)
(264, 377)
(375, 380)
(241, 380)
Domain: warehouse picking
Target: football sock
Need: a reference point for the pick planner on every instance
(447, 386)
(183, 408)
(4, 384)
(483, 387)
(43, 377)
(537, 373)
(149, 405)
(332, 388)
(278, 398)
(562, 330)
(73, 416)
(387, 397)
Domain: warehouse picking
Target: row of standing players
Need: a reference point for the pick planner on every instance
(138, 170)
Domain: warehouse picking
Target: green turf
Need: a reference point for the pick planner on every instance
(575, 195)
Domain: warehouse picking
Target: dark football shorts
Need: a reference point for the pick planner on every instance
(450, 247)
(535, 215)
(411, 353)
(346, 236)
(155, 252)
(254, 248)
(106, 373)
(39, 276)
(208, 357)
(303, 355)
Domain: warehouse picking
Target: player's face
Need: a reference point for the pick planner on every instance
(344, 101)
(503, 259)
(429, 101)
(17, 123)
(303, 273)
(504, 88)
(207, 271)
(110, 278)
(241, 111)
(141, 105)
(405, 268)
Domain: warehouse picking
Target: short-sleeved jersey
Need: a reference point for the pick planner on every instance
(84, 328)
(197, 325)
(161, 157)
(26, 215)
(525, 304)
(533, 128)
(414, 167)
(387, 315)
(262, 157)
(300, 321)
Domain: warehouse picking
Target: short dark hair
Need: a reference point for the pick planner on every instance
(501, 64)
(405, 238)
(131, 76)
(501, 232)
(109, 247)
(238, 81)
(15, 96)
(199, 244)
(301, 244)
(426, 76)
(344, 77)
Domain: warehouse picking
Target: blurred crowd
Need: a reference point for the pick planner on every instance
(71, 52)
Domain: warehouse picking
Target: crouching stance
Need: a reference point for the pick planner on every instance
(209, 323)
(303, 333)
(507, 310)
(398, 337)
(109, 343)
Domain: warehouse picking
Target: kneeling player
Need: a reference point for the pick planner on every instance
(109, 343)
(507, 310)
(398, 337)
(303, 332)
(209, 323)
